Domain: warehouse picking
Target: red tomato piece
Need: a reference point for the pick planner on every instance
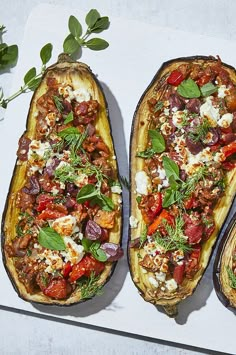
(179, 273)
(204, 79)
(192, 264)
(43, 200)
(151, 206)
(157, 222)
(175, 78)
(229, 165)
(58, 289)
(229, 149)
(49, 214)
(67, 269)
(85, 267)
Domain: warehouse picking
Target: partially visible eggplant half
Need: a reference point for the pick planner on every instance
(223, 276)
(79, 76)
(140, 142)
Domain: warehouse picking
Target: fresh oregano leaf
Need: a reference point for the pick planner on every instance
(46, 53)
(92, 17)
(74, 26)
(189, 89)
(70, 44)
(69, 118)
(171, 168)
(97, 44)
(208, 89)
(8, 55)
(50, 239)
(148, 153)
(30, 75)
(158, 141)
(34, 83)
(97, 253)
(100, 25)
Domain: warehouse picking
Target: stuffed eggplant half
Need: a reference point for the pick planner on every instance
(224, 272)
(61, 229)
(183, 176)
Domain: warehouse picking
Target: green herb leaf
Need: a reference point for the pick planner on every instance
(138, 199)
(86, 243)
(70, 44)
(108, 204)
(158, 141)
(143, 236)
(171, 168)
(34, 83)
(74, 26)
(69, 118)
(170, 197)
(89, 287)
(92, 17)
(58, 102)
(189, 89)
(159, 105)
(46, 53)
(68, 131)
(232, 277)
(208, 89)
(30, 75)
(97, 44)
(148, 153)
(200, 131)
(86, 193)
(100, 25)
(50, 239)
(8, 55)
(98, 253)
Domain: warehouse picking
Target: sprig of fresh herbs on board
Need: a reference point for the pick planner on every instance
(76, 39)
(31, 78)
(8, 54)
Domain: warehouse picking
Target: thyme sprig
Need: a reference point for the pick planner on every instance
(200, 131)
(89, 287)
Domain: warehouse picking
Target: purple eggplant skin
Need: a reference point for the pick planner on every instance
(62, 58)
(218, 265)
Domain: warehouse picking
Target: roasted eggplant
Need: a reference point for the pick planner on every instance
(183, 176)
(61, 227)
(224, 273)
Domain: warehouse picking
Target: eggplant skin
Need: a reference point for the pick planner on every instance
(138, 142)
(223, 259)
(78, 70)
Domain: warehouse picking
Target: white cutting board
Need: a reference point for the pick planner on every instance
(125, 69)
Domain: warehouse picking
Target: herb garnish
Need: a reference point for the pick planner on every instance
(232, 277)
(89, 287)
(73, 138)
(143, 236)
(92, 193)
(75, 40)
(189, 89)
(8, 54)
(175, 238)
(200, 131)
(50, 239)
(208, 89)
(66, 173)
(158, 106)
(94, 249)
(157, 144)
(58, 102)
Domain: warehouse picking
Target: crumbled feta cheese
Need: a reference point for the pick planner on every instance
(160, 276)
(166, 111)
(65, 226)
(142, 182)
(166, 129)
(36, 154)
(219, 157)
(153, 281)
(81, 180)
(178, 256)
(51, 119)
(54, 190)
(133, 222)
(222, 91)
(178, 118)
(116, 189)
(81, 95)
(171, 285)
(74, 252)
(209, 111)
(226, 120)
(52, 259)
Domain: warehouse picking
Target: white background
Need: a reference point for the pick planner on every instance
(22, 334)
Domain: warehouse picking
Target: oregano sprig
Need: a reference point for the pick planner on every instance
(8, 54)
(76, 39)
(31, 78)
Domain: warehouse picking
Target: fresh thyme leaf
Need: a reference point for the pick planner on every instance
(124, 182)
(175, 238)
(232, 277)
(89, 287)
(58, 102)
(66, 173)
(200, 131)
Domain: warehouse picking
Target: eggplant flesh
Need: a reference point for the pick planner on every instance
(223, 267)
(139, 142)
(79, 76)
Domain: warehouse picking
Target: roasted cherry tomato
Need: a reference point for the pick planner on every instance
(67, 269)
(50, 214)
(43, 200)
(58, 289)
(175, 78)
(157, 222)
(151, 206)
(204, 79)
(229, 149)
(85, 267)
(229, 165)
(192, 264)
(179, 273)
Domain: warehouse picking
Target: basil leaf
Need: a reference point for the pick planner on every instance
(86, 243)
(173, 184)
(100, 25)
(158, 142)
(171, 168)
(30, 75)
(189, 89)
(108, 204)
(208, 89)
(97, 253)
(46, 53)
(92, 17)
(70, 45)
(50, 239)
(69, 117)
(148, 153)
(75, 26)
(97, 44)
(86, 193)
(169, 198)
(138, 199)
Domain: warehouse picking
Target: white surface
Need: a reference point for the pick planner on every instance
(108, 68)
